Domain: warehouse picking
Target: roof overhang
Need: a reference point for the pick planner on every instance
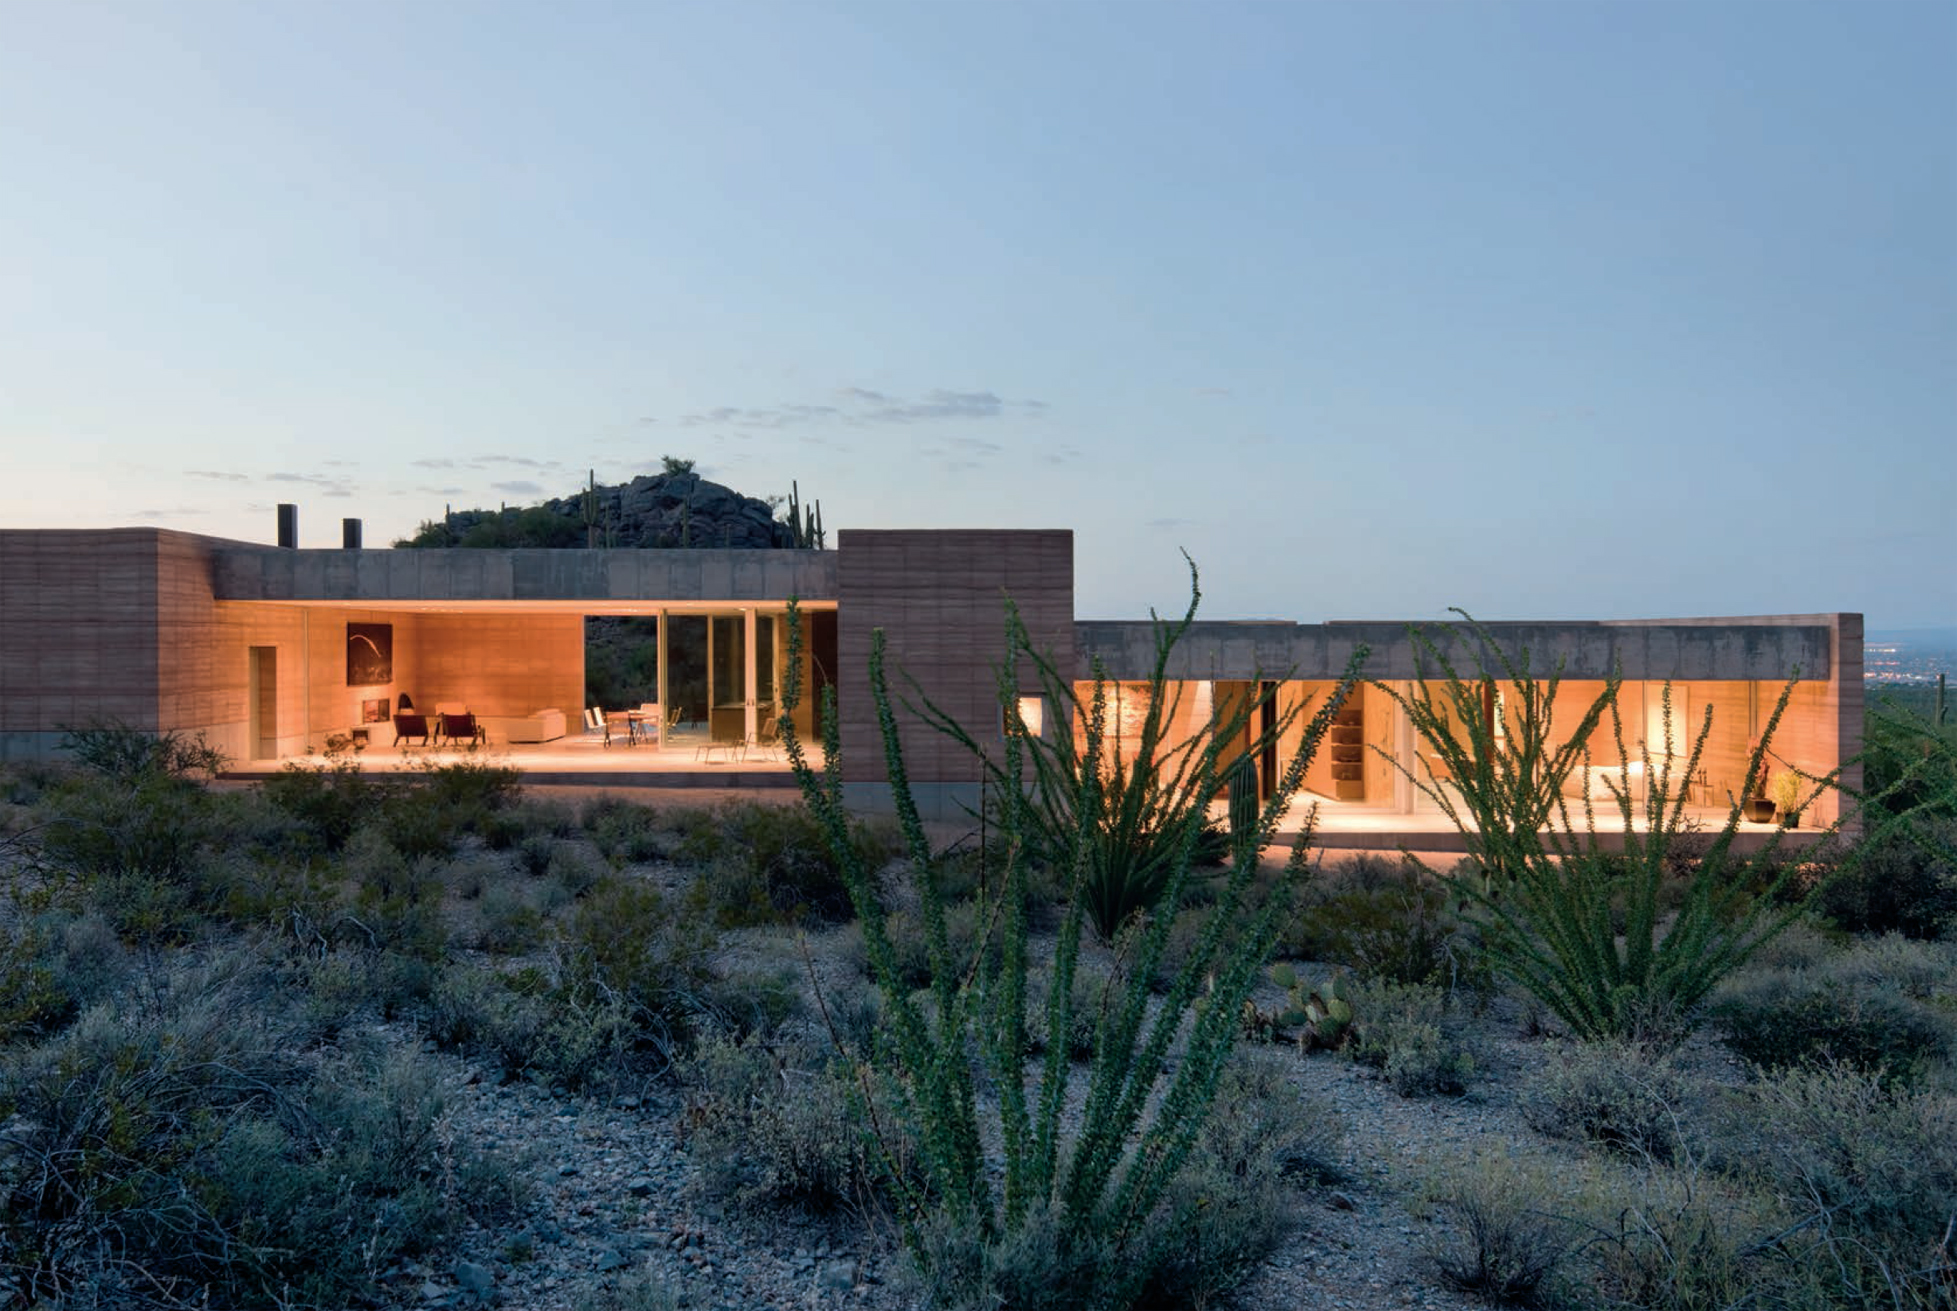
(463, 579)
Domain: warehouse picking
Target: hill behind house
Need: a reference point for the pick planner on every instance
(654, 511)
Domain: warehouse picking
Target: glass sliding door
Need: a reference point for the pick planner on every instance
(686, 672)
(727, 657)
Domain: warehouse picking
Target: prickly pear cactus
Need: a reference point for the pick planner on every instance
(1321, 1016)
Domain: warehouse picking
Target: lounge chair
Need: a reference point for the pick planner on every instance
(407, 726)
(457, 728)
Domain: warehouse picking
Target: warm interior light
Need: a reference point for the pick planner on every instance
(1032, 715)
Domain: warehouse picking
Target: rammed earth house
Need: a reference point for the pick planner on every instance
(272, 652)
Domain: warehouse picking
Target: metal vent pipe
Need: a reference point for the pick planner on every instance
(288, 526)
(350, 534)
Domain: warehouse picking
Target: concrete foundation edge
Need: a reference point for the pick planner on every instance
(937, 803)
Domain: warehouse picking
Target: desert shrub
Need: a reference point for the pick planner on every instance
(469, 789)
(965, 868)
(190, 1149)
(507, 921)
(1785, 1019)
(1184, 939)
(750, 1003)
(1869, 1172)
(1614, 1094)
(910, 944)
(1804, 944)
(1901, 883)
(511, 823)
(32, 1001)
(343, 984)
(619, 995)
(119, 751)
(1679, 1240)
(425, 813)
(627, 832)
(783, 1125)
(534, 852)
(24, 782)
(155, 824)
(397, 902)
(546, 815)
(416, 824)
(1508, 1234)
(638, 1291)
(558, 1029)
(1926, 971)
(52, 967)
(572, 869)
(1091, 994)
(328, 801)
(1403, 1031)
(1237, 1198)
(1387, 920)
(772, 864)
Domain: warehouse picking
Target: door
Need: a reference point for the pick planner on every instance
(262, 698)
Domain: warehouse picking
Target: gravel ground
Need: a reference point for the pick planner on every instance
(614, 1202)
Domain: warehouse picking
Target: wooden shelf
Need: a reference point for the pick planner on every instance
(1339, 771)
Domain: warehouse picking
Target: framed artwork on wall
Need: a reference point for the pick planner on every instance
(374, 711)
(370, 654)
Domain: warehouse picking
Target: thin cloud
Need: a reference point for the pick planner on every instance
(520, 461)
(861, 406)
(327, 486)
(484, 463)
(939, 404)
(521, 487)
(217, 474)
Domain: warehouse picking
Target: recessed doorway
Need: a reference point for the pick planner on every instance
(262, 699)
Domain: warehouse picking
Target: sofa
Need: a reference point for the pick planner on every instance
(544, 726)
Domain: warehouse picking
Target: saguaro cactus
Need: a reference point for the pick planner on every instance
(590, 502)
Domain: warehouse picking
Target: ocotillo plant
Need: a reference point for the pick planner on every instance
(1086, 1186)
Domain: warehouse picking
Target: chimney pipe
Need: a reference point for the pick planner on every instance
(288, 526)
(350, 534)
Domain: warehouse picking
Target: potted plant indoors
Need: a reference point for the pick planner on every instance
(1786, 793)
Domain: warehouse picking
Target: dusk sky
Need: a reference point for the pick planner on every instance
(1553, 309)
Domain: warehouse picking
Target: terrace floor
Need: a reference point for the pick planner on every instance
(689, 762)
(688, 758)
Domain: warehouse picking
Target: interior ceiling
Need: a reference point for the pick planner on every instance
(552, 607)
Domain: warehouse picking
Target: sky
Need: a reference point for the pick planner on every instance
(1557, 309)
